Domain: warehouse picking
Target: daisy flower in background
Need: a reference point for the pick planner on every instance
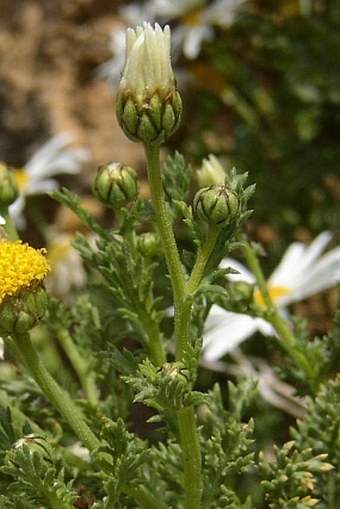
(196, 21)
(302, 272)
(55, 157)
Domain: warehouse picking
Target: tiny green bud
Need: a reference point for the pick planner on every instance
(9, 189)
(116, 185)
(35, 444)
(176, 370)
(20, 313)
(149, 244)
(216, 205)
(148, 105)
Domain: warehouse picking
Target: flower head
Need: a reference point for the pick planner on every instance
(148, 104)
(21, 266)
(302, 272)
(54, 158)
(23, 299)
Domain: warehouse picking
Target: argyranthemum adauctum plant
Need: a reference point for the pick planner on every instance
(134, 268)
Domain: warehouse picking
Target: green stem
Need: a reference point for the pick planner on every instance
(80, 365)
(273, 316)
(58, 397)
(203, 256)
(182, 325)
(9, 226)
(155, 344)
(182, 309)
(191, 454)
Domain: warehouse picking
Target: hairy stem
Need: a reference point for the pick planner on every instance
(168, 244)
(58, 397)
(182, 307)
(280, 325)
(191, 454)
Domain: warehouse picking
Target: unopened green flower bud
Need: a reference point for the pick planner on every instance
(211, 172)
(216, 205)
(116, 185)
(149, 244)
(20, 313)
(9, 189)
(35, 444)
(176, 370)
(148, 105)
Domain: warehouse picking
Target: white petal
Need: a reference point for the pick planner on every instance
(193, 41)
(324, 274)
(264, 327)
(16, 208)
(297, 262)
(222, 12)
(304, 272)
(224, 331)
(41, 187)
(244, 274)
(55, 157)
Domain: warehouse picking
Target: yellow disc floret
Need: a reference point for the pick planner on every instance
(275, 293)
(20, 266)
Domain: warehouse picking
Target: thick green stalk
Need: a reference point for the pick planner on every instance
(156, 344)
(191, 455)
(169, 245)
(273, 316)
(186, 416)
(58, 397)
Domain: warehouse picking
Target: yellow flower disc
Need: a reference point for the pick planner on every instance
(20, 266)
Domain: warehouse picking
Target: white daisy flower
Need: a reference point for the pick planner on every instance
(2, 221)
(55, 157)
(302, 272)
(196, 21)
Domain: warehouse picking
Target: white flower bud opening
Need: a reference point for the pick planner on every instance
(148, 65)
(211, 172)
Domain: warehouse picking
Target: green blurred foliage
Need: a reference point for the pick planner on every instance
(268, 100)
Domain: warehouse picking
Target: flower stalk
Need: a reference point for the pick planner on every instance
(273, 316)
(58, 397)
(186, 416)
(169, 245)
